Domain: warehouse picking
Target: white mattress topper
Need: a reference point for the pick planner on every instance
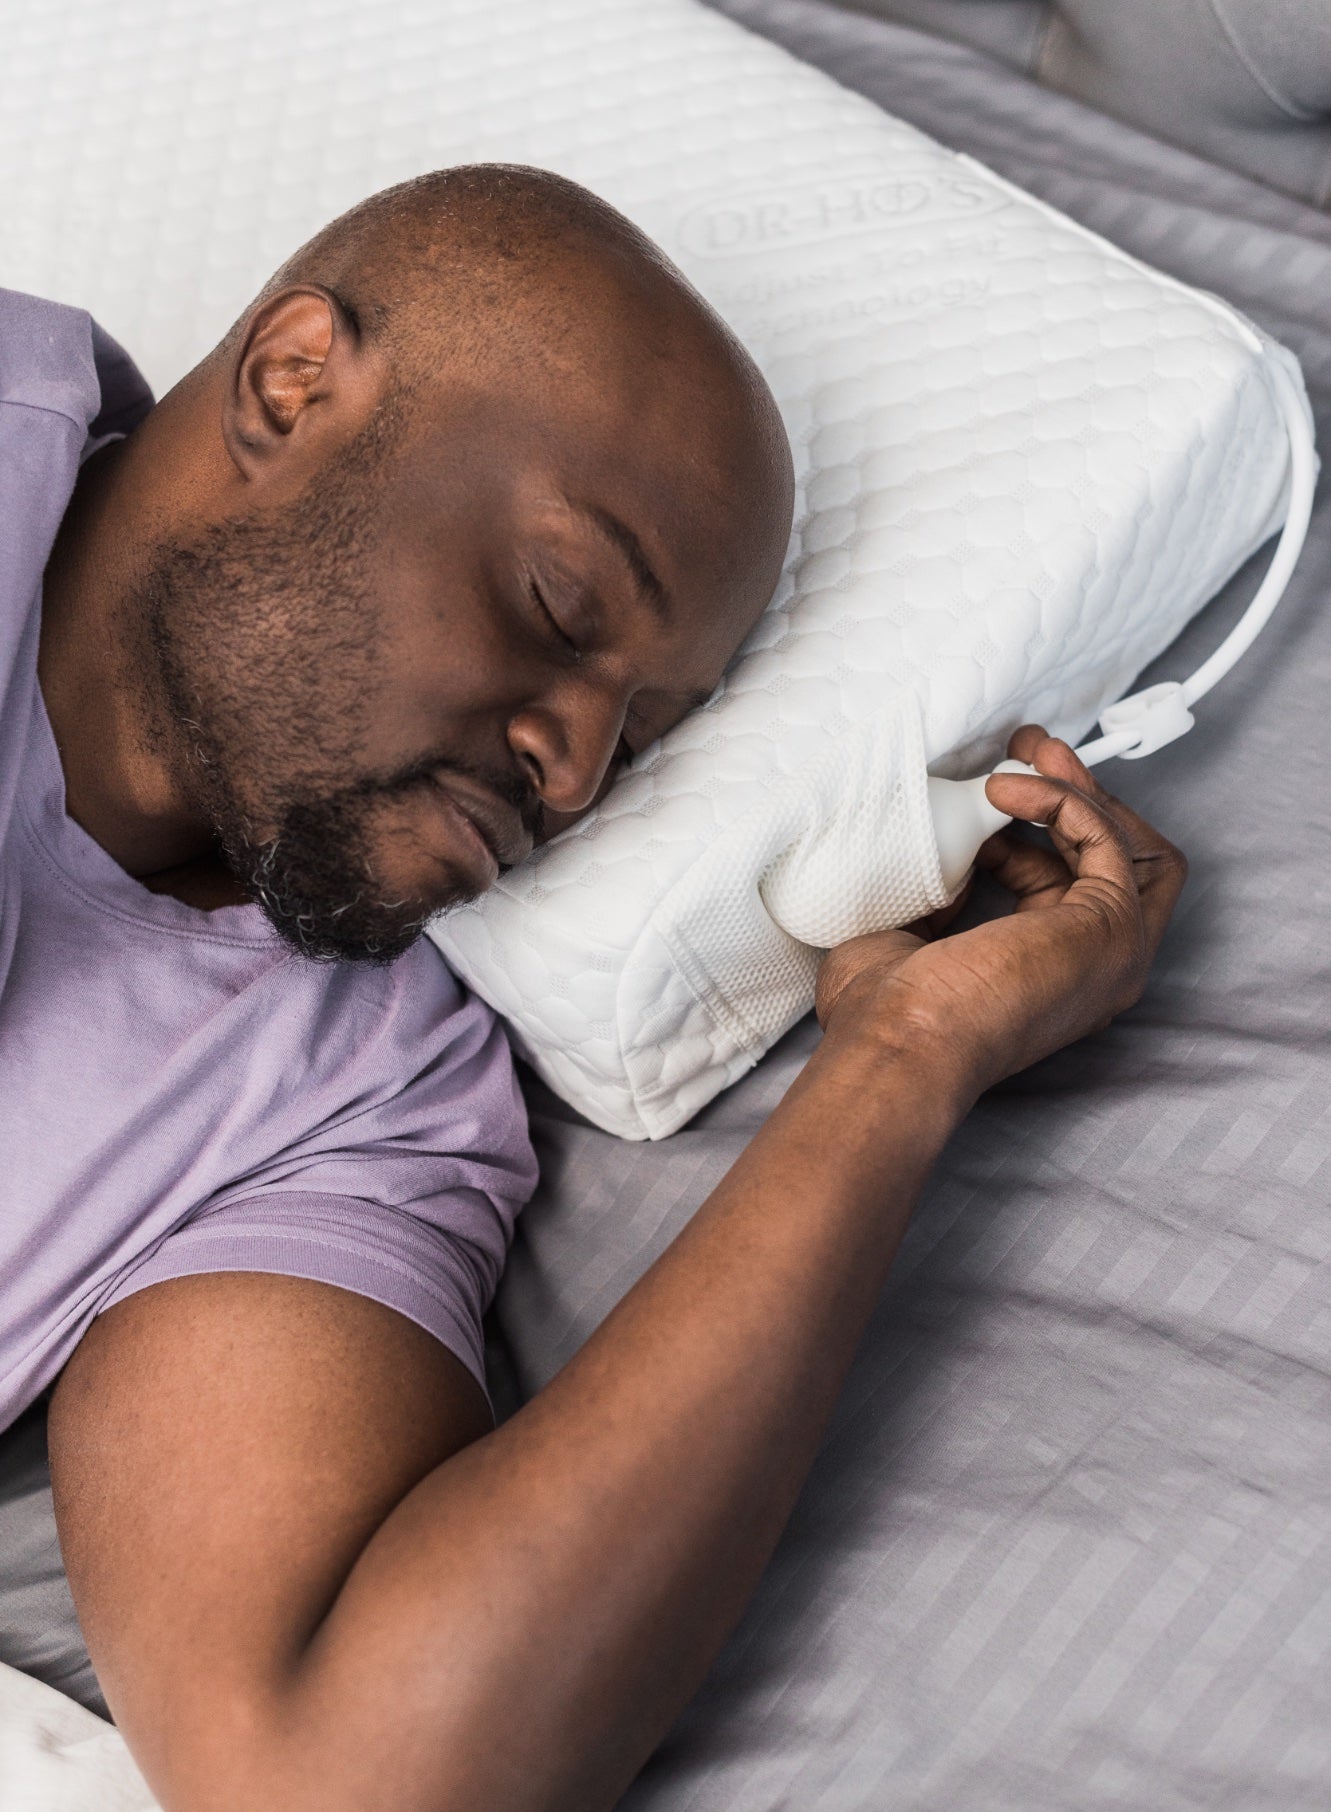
(1024, 459)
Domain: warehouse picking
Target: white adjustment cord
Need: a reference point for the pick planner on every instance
(1147, 720)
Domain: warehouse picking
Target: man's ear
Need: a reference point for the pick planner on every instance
(300, 377)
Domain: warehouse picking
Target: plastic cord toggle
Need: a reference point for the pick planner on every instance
(1152, 718)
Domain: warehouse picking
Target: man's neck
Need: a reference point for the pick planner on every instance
(94, 667)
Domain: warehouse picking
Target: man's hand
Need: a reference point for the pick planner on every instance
(1089, 917)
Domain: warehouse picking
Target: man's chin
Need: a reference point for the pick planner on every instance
(358, 933)
(374, 950)
(345, 935)
(333, 904)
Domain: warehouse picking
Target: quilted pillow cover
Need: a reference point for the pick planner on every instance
(1024, 459)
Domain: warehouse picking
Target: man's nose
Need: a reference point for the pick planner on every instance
(565, 745)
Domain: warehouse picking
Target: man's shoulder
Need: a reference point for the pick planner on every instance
(404, 1017)
(57, 359)
(418, 979)
(410, 1050)
(46, 357)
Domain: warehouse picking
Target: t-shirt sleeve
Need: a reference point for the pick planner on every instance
(406, 1186)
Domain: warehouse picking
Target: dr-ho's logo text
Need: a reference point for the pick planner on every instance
(771, 221)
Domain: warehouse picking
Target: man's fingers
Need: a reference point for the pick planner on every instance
(1016, 794)
(1159, 869)
(1036, 875)
(1160, 872)
(1023, 743)
(1092, 904)
(1084, 834)
(1051, 755)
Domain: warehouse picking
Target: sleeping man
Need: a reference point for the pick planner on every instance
(472, 504)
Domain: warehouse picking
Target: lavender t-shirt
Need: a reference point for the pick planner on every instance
(179, 1092)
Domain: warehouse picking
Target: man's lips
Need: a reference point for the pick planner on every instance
(490, 821)
(465, 847)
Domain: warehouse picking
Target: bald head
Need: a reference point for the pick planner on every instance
(471, 505)
(484, 259)
(517, 282)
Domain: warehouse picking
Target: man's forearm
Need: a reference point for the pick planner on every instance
(566, 1581)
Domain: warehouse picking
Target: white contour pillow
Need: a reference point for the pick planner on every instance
(1024, 459)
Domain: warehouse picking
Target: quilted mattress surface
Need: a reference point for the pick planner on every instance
(1024, 459)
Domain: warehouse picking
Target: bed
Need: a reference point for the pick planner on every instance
(1068, 1541)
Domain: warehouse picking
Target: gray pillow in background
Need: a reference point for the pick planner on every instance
(1246, 83)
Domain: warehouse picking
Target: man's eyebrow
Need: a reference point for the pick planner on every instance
(621, 536)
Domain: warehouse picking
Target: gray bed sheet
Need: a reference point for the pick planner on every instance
(1068, 1542)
